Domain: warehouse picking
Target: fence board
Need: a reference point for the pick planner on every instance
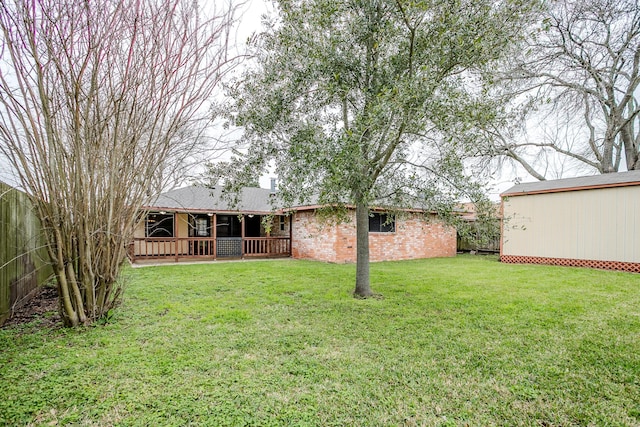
(24, 263)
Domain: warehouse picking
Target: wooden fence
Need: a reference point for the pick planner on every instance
(475, 242)
(24, 262)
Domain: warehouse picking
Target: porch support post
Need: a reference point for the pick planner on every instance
(214, 227)
(242, 236)
(291, 233)
(175, 233)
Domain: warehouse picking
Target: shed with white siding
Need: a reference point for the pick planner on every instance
(591, 221)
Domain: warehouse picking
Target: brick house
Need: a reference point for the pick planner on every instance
(409, 236)
(199, 223)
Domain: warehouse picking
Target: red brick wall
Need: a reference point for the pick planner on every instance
(414, 238)
(312, 239)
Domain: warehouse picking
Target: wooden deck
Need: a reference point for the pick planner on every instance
(206, 248)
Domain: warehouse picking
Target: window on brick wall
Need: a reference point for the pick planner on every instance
(381, 223)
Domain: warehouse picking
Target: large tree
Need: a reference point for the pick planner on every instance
(99, 103)
(350, 101)
(574, 87)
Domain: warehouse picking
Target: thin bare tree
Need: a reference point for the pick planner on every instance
(99, 104)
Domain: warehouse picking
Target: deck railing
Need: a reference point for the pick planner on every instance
(267, 246)
(207, 247)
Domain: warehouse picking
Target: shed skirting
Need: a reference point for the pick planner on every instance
(632, 267)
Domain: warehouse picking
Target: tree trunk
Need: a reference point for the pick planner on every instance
(607, 153)
(630, 148)
(363, 288)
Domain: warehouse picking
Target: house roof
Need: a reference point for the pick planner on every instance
(251, 200)
(203, 199)
(620, 179)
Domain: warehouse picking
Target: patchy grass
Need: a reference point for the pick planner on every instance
(464, 341)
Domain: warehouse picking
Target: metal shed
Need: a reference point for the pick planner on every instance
(591, 221)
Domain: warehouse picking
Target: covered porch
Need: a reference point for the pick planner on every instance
(187, 236)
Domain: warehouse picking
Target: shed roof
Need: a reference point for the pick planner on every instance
(196, 198)
(619, 179)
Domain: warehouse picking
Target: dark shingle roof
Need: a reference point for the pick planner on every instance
(196, 198)
(580, 183)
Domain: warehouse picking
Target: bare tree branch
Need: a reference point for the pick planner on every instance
(583, 60)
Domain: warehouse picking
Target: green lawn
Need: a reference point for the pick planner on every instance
(464, 341)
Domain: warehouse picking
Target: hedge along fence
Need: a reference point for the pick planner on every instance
(24, 262)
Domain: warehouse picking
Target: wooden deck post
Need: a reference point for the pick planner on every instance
(214, 227)
(291, 234)
(242, 221)
(175, 233)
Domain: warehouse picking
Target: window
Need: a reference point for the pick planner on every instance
(199, 226)
(202, 227)
(159, 225)
(381, 223)
(282, 223)
(228, 226)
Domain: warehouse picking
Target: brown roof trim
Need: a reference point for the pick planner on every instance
(376, 209)
(306, 208)
(274, 212)
(206, 211)
(566, 189)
